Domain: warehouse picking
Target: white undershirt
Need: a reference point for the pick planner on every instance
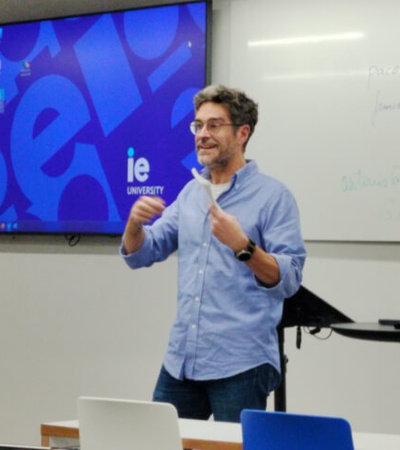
(218, 189)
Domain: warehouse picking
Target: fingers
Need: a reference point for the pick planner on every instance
(221, 223)
(226, 228)
(213, 209)
(146, 208)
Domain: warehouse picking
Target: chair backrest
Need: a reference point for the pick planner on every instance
(264, 430)
(113, 424)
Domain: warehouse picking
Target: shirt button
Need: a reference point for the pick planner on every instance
(200, 271)
(193, 325)
(205, 244)
(197, 299)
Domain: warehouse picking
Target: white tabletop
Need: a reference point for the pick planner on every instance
(232, 432)
(210, 430)
(372, 441)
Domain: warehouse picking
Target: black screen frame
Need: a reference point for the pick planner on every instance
(74, 10)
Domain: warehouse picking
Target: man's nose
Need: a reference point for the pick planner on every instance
(203, 131)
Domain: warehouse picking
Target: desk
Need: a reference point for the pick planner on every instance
(208, 435)
(196, 434)
(368, 331)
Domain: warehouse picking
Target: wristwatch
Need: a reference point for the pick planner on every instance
(246, 253)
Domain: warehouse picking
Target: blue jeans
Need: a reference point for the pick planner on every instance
(224, 398)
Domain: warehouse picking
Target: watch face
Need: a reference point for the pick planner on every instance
(244, 255)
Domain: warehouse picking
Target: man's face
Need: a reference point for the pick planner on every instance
(216, 145)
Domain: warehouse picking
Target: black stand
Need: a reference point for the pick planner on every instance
(368, 331)
(308, 310)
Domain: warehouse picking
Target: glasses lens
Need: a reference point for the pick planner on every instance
(194, 128)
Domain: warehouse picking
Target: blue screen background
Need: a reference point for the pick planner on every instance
(94, 112)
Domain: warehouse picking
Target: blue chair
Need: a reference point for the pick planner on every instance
(264, 430)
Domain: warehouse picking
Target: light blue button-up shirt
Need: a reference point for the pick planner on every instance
(226, 319)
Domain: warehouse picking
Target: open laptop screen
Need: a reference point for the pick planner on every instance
(112, 424)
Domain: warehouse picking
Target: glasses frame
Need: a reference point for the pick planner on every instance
(195, 127)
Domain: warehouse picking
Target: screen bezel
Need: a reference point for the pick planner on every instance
(99, 11)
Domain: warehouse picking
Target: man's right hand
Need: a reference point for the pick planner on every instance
(143, 210)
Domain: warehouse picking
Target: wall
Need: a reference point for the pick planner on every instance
(75, 321)
(328, 84)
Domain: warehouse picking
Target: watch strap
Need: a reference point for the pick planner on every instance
(246, 253)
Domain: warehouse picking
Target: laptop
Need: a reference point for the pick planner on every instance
(117, 424)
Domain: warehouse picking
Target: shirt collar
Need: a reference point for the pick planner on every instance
(247, 171)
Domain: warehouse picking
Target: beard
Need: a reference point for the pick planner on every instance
(211, 154)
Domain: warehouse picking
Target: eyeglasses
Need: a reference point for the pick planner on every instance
(211, 126)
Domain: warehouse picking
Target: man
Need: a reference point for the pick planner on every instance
(237, 263)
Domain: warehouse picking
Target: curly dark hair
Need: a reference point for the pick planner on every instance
(242, 110)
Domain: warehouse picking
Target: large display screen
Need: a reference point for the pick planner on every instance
(94, 112)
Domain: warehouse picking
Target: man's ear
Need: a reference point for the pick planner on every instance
(243, 134)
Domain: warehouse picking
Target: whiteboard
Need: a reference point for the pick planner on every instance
(326, 75)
